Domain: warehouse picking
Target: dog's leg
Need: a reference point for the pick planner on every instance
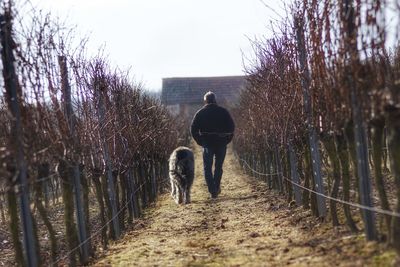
(180, 195)
(173, 191)
(184, 193)
(177, 194)
(188, 200)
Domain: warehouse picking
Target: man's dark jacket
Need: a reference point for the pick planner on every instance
(212, 126)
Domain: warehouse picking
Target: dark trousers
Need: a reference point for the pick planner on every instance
(213, 179)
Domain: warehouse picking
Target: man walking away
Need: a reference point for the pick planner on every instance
(212, 128)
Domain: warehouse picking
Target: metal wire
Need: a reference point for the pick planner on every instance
(259, 173)
(100, 229)
(356, 205)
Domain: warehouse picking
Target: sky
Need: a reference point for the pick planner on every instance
(157, 39)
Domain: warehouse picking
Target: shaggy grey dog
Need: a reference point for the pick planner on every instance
(181, 174)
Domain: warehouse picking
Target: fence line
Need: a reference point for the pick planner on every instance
(103, 226)
(99, 230)
(278, 173)
(259, 173)
(356, 205)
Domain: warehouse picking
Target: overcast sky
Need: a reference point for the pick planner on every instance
(169, 38)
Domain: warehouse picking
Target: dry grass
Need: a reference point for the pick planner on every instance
(246, 226)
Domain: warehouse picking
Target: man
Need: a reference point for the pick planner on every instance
(212, 128)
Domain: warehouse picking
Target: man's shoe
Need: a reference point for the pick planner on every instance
(214, 195)
(219, 191)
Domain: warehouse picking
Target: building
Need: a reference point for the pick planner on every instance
(184, 95)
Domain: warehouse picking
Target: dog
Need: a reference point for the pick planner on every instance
(181, 174)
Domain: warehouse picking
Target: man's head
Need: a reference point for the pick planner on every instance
(209, 98)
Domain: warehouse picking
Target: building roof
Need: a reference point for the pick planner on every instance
(190, 90)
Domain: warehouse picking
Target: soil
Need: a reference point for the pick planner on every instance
(247, 225)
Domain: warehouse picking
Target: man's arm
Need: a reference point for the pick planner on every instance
(230, 127)
(195, 129)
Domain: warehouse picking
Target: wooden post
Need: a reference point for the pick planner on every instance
(132, 197)
(269, 169)
(106, 155)
(360, 134)
(278, 169)
(154, 179)
(294, 175)
(143, 179)
(312, 135)
(69, 112)
(13, 94)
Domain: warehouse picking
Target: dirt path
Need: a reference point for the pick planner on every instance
(246, 226)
